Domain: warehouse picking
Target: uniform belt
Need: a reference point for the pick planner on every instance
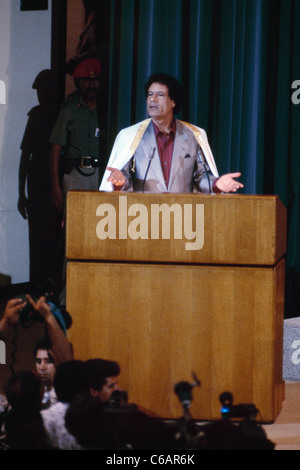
(85, 161)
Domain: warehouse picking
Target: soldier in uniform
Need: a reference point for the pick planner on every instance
(77, 147)
(77, 136)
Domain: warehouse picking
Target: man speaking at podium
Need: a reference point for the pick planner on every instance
(163, 154)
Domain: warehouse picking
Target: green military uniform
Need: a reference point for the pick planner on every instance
(77, 131)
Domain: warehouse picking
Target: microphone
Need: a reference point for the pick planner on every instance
(202, 160)
(184, 390)
(152, 151)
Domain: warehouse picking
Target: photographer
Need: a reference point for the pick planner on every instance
(57, 344)
(61, 348)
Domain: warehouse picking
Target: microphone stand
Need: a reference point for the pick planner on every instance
(149, 163)
(184, 392)
(205, 169)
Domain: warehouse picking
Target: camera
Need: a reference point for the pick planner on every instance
(28, 316)
(118, 402)
(242, 432)
(118, 399)
(243, 410)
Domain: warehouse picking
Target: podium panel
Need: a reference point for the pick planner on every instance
(164, 320)
(172, 228)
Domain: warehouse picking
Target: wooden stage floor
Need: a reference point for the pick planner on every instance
(285, 431)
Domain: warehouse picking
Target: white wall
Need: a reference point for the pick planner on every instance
(25, 50)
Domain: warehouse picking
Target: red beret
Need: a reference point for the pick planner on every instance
(88, 68)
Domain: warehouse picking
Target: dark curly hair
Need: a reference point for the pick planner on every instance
(99, 370)
(174, 88)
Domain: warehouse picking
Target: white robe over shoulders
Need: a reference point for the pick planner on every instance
(129, 138)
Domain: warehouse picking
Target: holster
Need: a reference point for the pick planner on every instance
(69, 164)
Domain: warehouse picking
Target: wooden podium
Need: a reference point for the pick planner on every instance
(174, 284)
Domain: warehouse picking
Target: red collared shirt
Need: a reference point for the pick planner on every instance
(165, 145)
